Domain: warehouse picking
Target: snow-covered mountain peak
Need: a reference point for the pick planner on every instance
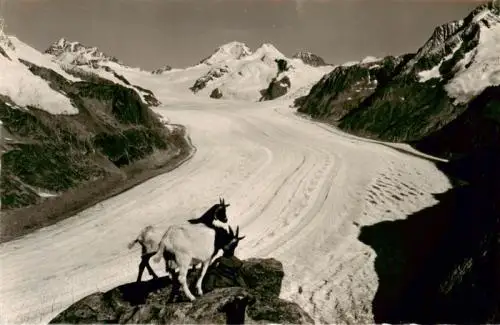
(269, 50)
(309, 58)
(78, 54)
(229, 51)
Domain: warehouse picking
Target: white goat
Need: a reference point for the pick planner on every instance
(186, 242)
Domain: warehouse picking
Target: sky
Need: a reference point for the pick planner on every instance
(180, 33)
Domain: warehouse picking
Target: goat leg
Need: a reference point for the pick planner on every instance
(150, 270)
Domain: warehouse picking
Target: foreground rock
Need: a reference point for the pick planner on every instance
(236, 292)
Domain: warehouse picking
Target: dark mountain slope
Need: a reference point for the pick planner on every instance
(56, 165)
(414, 98)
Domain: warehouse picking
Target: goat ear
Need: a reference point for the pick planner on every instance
(240, 238)
(226, 205)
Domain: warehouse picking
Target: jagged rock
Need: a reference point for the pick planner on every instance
(78, 54)
(236, 292)
(213, 74)
(310, 59)
(216, 93)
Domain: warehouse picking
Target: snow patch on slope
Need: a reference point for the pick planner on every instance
(434, 72)
(27, 53)
(480, 67)
(26, 89)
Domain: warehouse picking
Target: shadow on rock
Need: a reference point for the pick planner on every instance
(442, 264)
(236, 292)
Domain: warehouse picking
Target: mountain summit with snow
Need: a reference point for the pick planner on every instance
(236, 72)
(230, 51)
(78, 54)
(309, 58)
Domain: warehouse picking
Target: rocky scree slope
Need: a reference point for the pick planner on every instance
(235, 292)
(408, 97)
(68, 142)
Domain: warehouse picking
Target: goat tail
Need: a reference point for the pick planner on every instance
(132, 243)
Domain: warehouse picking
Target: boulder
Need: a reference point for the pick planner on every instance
(235, 292)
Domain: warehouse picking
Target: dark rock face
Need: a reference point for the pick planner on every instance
(216, 93)
(277, 88)
(477, 127)
(310, 59)
(236, 292)
(282, 65)
(345, 88)
(213, 74)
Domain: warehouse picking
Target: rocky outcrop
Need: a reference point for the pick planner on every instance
(162, 69)
(277, 88)
(236, 292)
(211, 75)
(76, 53)
(216, 93)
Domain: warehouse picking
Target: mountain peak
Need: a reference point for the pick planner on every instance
(269, 49)
(309, 58)
(77, 53)
(230, 51)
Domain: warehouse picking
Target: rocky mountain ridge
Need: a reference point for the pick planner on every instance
(408, 97)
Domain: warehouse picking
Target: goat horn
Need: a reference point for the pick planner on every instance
(231, 231)
(237, 230)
